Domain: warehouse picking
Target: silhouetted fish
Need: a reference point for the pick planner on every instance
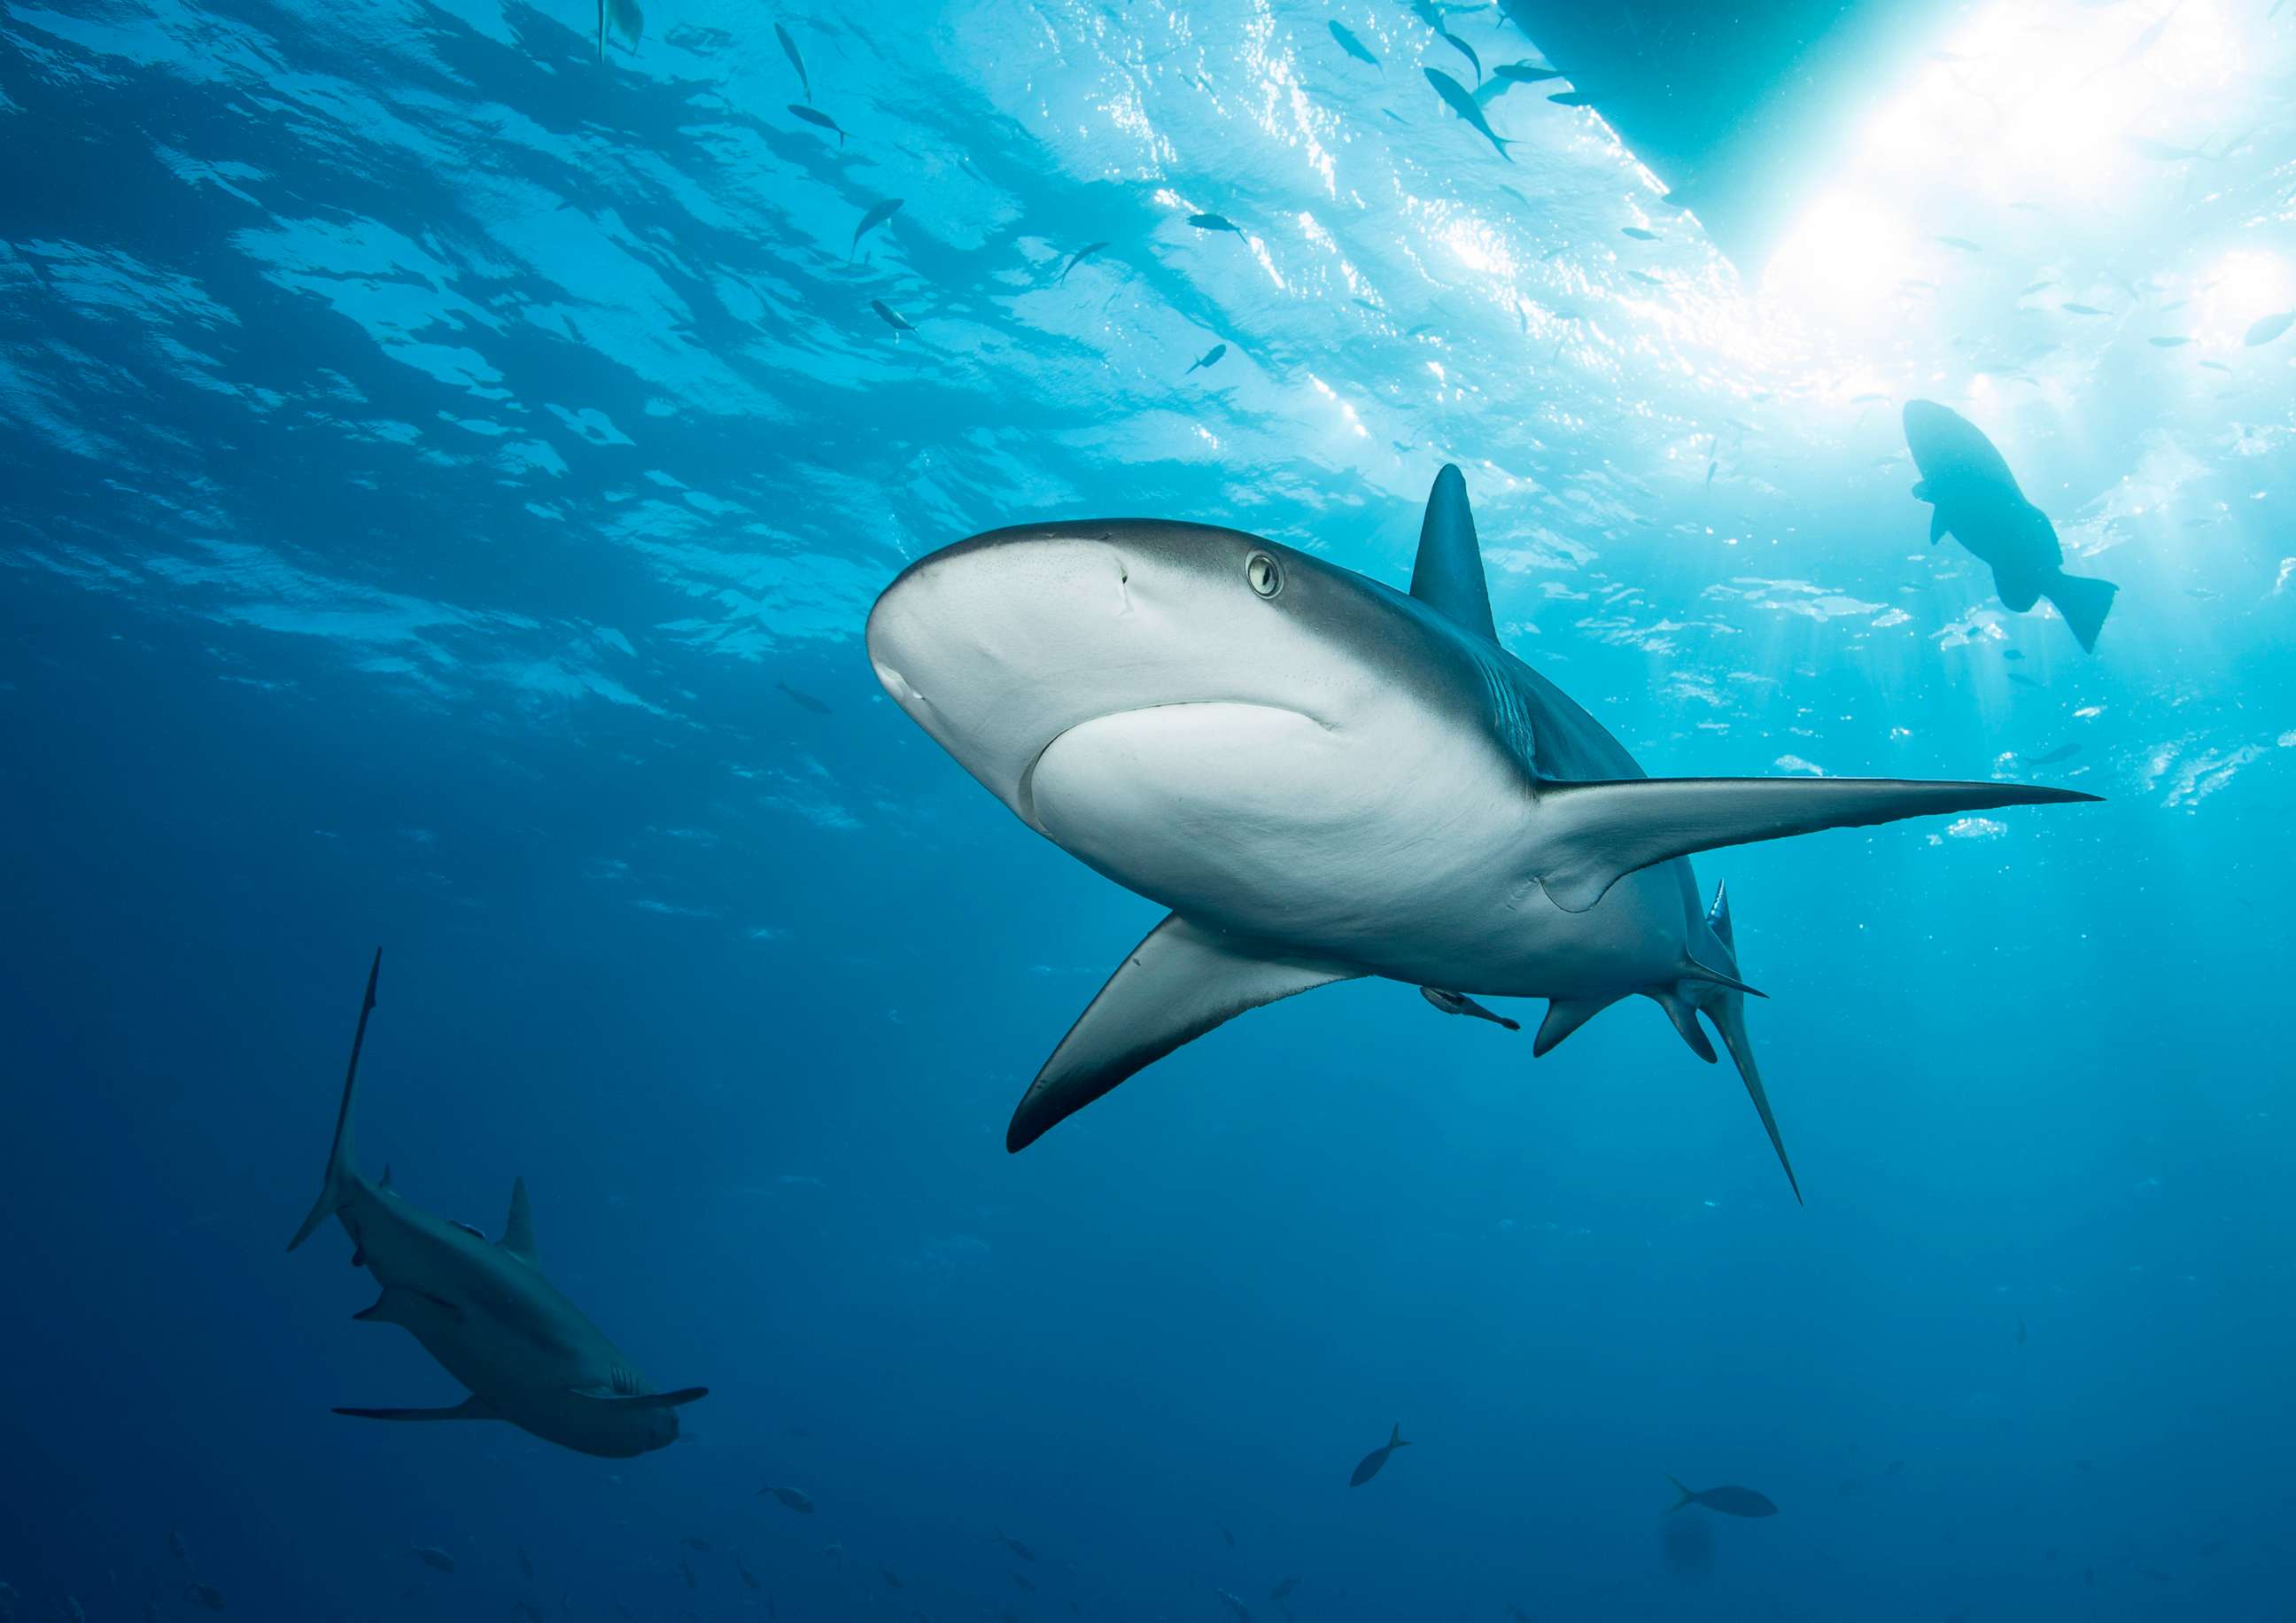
(875, 215)
(796, 1498)
(1352, 46)
(1211, 357)
(1015, 1546)
(1525, 73)
(2081, 310)
(1455, 97)
(891, 317)
(747, 1577)
(1639, 234)
(2268, 328)
(2050, 758)
(1572, 98)
(1977, 502)
(1214, 222)
(1728, 1501)
(789, 49)
(1077, 258)
(435, 1558)
(1963, 243)
(1235, 1605)
(1369, 1465)
(821, 120)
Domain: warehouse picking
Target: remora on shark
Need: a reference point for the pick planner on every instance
(485, 1312)
(1324, 779)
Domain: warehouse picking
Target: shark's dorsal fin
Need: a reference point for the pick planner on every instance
(1718, 919)
(1449, 574)
(1176, 985)
(518, 1228)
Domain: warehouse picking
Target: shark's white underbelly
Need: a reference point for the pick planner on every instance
(1394, 850)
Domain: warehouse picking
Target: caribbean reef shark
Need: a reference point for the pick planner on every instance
(1976, 500)
(486, 1311)
(1326, 779)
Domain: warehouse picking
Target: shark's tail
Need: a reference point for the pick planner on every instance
(2084, 601)
(1722, 999)
(1687, 1496)
(341, 1175)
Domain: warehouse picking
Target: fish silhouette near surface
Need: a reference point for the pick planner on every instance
(1371, 1464)
(485, 1312)
(1728, 1501)
(1123, 685)
(1456, 97)
(1977, 502)
(1352, 46)
(1208, 359)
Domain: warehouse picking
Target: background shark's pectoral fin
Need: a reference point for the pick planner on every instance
(1592, 835)
(405, 1306)
(642, 1400)
(518, 1228)
(1176, 985)
(471, 1408)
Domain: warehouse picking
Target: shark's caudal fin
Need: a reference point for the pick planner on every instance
(1592, 835)
(1725, 1004)
(1447, 576)
(337, 1188)
(1174, 987)
(1688, 1498)
(2084, 601)
(469, 1408)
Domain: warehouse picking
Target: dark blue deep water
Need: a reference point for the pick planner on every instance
(433, 466)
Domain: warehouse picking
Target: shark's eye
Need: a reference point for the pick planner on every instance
(1264, 574)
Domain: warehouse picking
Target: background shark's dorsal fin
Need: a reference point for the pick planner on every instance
(518, 1228)
(1449, 574)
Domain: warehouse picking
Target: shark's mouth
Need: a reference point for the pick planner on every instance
(1136, 748)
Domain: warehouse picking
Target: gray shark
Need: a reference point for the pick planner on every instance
(485, 1311)
(1976, 500)
(1326, 779)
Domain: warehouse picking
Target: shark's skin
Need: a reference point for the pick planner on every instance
(1324, 779)
(486, 1313)
(1977, 502)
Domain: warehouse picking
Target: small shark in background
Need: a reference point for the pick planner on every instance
(485, 1312)
(1977, 502)
(1248, 733)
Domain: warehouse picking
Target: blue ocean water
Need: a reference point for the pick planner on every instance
(446, 478)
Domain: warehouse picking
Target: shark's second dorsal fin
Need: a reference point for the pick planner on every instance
(1448, 574)
(518, 1228)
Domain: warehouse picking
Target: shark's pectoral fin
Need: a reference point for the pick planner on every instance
(1592, 835)
(1176, 985)
(473, 1407)
(518, 1228)
(640, 1400)
(1936, 523)
(403, 1305)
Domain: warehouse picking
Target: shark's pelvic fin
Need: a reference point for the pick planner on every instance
(1174, 987)
(335, 1192)
(1564, 1016)
(518, 1228)
(1594, 834)
(641, 1400)
(1447, 576)
(473, 1407)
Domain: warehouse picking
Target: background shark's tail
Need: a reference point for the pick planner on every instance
(2084, 602)
(341, 1174)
